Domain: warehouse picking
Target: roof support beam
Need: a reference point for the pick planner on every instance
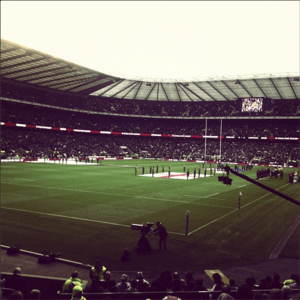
(85, 83)
(178, 92)
(292, 88)
(217, 90)
(192, 92)
(63, 84)
(204, 91)
(31, 68)
(135, 84)
(245, 89)
(22, 63)
(151, 91)
(41, 73)
(165, 91)
(14, 57)
(137, 90)
(276, 88)
(70, 85)
(185, 92)
(8, 50)
(53, 81)
(260, 87)
(229, 88)
(113, 86)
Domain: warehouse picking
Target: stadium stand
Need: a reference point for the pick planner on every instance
(20, 140)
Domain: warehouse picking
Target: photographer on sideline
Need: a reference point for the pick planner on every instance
(163, 234)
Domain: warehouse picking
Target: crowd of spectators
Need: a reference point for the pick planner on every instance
(15, 288)
(34, 115)
(41, 143)
(138, 107)
(36, 143)
(173, 284)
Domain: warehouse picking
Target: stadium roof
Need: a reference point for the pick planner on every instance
(21, 64)
(30, 66)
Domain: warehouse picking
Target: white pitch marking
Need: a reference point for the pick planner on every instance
(233, 211)
(204, 197)
(126, 189)
(211, 195)
(157, 199)
(75, 218)
(24, 179)
(68, 217)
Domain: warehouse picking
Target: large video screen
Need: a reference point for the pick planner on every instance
(252, 104)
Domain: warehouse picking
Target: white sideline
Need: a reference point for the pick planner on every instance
(233, 211)
(62, 216)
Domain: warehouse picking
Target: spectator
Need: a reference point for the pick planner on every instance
(189, 277)
(199, 287)
(35, 294)
(160, 283)
(124, 284)
(263, 284)
(16, 295)
(142, 283)
(16, 281)
(251, 282)
(276, 284)
(232, 284)
(268, 282)
(225, 296)
(176, 285)
(133, 286)
(218, 285)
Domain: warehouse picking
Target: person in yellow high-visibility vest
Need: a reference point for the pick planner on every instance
(77, 293)
(98, 271)
(71, 282)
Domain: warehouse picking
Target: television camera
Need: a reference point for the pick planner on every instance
(143, 228)
(48, 257)
(143, 246)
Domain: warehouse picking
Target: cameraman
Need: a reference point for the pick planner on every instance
(163, 234)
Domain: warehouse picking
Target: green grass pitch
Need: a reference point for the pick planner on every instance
(85, 212)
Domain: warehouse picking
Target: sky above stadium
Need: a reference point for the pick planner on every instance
(157, 39)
